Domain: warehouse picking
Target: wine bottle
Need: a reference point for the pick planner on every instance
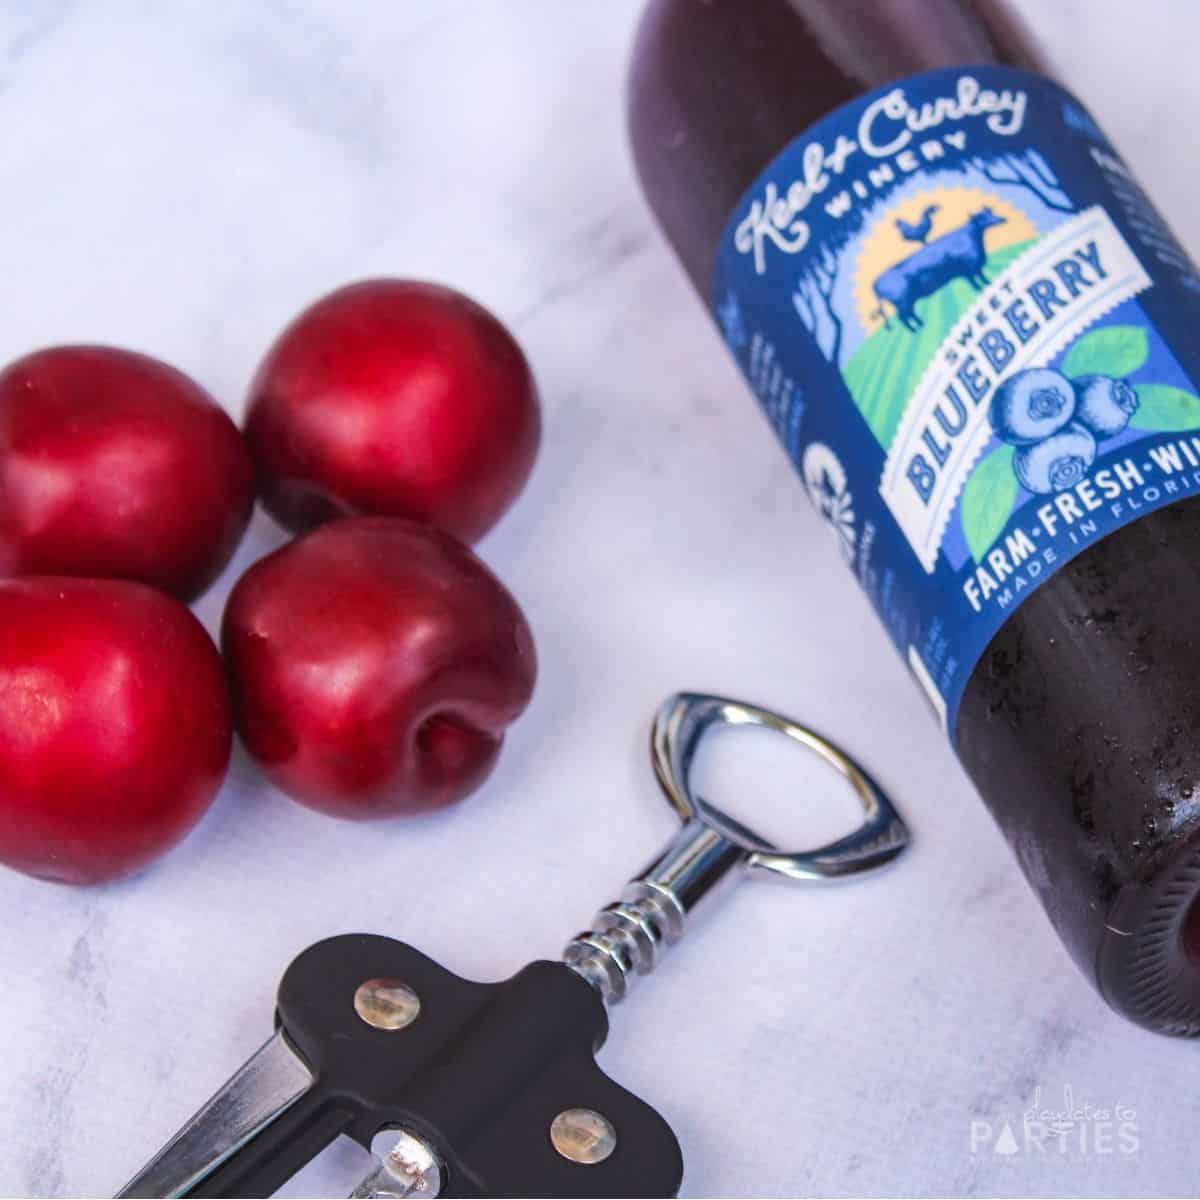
(974, 336)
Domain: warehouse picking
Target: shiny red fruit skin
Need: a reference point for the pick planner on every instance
(375, 665)
(114, 465)
(393, 398)
(115, 726)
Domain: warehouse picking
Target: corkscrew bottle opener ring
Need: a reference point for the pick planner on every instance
(472, 1089)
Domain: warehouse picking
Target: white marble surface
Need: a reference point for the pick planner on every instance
(180, 179)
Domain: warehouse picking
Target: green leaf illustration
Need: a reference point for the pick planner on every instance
(988, 500)
(1164, 408)
(1116, 350)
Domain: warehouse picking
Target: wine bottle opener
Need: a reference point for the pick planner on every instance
(492, 1089)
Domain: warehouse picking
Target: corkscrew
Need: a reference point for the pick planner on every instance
(474, 1089)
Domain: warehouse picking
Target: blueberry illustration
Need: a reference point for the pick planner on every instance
(1031, 405)
(1104, 405)
(1056, 462)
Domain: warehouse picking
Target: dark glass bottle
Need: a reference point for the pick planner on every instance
(1080, 725)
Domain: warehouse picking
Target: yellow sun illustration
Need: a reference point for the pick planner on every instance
(884, 244)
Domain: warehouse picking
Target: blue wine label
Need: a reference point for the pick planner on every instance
(977, 341)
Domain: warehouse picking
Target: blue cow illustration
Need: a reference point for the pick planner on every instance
(959, 254)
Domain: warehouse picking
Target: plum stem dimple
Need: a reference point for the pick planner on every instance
(448, 748)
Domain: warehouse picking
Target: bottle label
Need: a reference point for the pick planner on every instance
(976, 339)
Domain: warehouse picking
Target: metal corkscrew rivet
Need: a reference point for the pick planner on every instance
(387, 1003)
(583, 1135)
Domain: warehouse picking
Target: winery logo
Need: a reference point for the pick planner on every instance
(825, 478)
(895, 136)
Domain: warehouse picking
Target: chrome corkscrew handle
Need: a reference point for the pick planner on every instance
(628, 937)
